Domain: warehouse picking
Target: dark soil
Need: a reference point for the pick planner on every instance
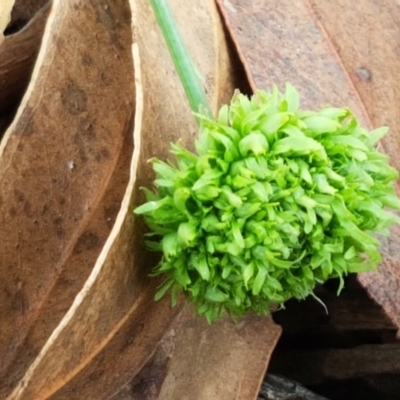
(352, 353)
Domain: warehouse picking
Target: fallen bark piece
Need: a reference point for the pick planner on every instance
(63, 171)
(277, 387)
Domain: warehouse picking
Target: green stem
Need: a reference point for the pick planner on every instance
(180, 56)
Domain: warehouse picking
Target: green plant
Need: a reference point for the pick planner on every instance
(275, 201)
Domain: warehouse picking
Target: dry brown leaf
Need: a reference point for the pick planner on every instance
(196, 361)
(63, 171)
(17, 57)
(223, 361)
(331, 52)
(114, 325)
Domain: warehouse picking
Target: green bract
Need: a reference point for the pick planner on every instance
(275, 201)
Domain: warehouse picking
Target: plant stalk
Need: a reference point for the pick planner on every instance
(180, 56)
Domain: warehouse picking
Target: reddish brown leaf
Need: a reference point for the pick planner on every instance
(63, 171)
(334, 54)
(281, 41)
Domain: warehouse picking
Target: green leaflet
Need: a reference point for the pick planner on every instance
(163, 170)
(250, 120)
(347, 140)
(344, 217)
(261, 191)
(170, 245)
(323, 185)
(181, 195)
(152, 206)
(334, 113)
(163, 289)
(209, 177)
(233, 199)
(320, 124)
(230, 153)
(390, 200)
(292, 98)
(199, 261)
(187, 233)
(215, 295)
(350, 253)
(296, 145)
(259, 281)
(255, 143)
(223, 115)
(248, 272)
(271, 124)
(247, 210)
(253, 164)
(377, 134)
(237, 234)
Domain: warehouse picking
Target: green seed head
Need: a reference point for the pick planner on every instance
(275, 201)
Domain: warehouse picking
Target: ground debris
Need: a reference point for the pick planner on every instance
(276, 387)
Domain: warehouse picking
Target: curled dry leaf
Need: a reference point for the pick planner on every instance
(114, 325)
(63, 170)
(17, 57)
(5, 16)
(330, 53)
(24, 11)
(222, 360)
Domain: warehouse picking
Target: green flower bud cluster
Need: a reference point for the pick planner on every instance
(275, 201)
